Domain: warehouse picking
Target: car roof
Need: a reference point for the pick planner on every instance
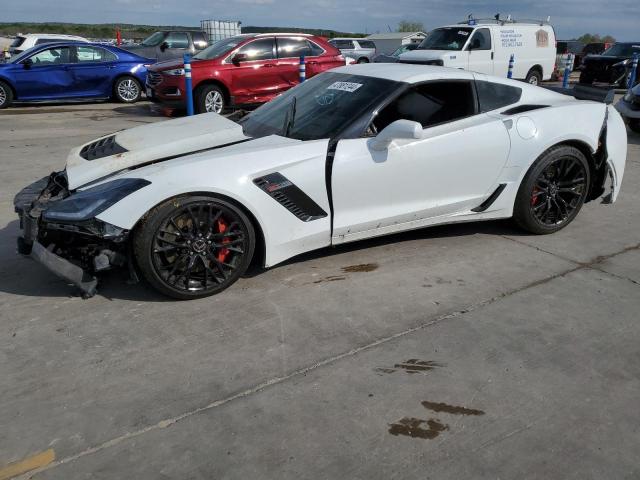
(404, 72)
(50, 35)
(281, 34)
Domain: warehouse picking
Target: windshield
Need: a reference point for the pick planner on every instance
(153, 40)
(323, 106)
(17, 42)
(219, 48)
(622, 50)
(449, 38)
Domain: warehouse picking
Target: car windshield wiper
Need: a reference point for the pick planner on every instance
(290, 118)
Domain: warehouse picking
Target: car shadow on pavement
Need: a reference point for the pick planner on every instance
(22, 276)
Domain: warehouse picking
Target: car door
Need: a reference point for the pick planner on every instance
(481, 53)
(92, 71)
(452, 168)
(255, 75)
(175, 45)
(45, 75)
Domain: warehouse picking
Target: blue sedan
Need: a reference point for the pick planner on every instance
(72, 71)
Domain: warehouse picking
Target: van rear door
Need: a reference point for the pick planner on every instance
(480, 47)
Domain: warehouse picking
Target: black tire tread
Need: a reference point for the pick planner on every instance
(9, 92)
(143, 235)
(521, 210)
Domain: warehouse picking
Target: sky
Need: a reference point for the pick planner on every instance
(571, 18)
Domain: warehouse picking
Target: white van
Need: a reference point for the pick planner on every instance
(24, 42)
(485, 46)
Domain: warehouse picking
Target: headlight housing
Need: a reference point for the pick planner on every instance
(86, 204)
(174, 72)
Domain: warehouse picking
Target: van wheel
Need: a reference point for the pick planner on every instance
(6, 95)
(534, 77)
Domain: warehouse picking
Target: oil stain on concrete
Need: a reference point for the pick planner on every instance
(418, 428)
(450, 409)
(411, 366)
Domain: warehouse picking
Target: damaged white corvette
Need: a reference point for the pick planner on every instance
(354, 153)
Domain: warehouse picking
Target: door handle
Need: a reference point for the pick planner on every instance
(269, 65)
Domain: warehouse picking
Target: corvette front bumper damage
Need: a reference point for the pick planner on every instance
(72, 251)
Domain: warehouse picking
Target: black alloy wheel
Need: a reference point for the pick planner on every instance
(553, 191)
(194, 247)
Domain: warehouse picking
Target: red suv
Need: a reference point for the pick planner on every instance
(243, 70)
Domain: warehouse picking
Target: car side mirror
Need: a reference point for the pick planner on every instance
(164, 46)
(400, 129)
(26, 63)
(238, 58)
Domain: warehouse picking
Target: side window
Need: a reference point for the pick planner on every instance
(367, 44)
(315, 49)
(177, 40)
(481, 39)
(293, 47)
(430, 104)
(41, 41)
(52, 56)
(343, 44)
(199, 40)
(259, 50)
(496, 95)
(93, 54)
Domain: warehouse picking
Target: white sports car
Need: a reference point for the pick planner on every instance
(353, 153)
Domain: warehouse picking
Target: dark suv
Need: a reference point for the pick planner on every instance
(170, 44)
(613, 66)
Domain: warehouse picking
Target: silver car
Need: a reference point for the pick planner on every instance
(361, 50)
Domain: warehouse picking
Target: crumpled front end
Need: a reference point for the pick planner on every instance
(74, 249)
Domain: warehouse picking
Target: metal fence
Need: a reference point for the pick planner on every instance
(220, 29)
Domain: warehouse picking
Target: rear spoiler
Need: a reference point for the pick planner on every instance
(587, 92)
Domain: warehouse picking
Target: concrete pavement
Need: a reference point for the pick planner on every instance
(316, 369)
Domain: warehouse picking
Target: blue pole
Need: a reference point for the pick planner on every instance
(187, 84)
(567, 71)
(302, 70)
(512, 60)
(634, 71)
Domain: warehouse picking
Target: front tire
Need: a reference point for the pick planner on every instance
(553, 190)
(634, 124)
(127, 90)
(534, 77)
(6, 95)
(210, 98)
(194, 246)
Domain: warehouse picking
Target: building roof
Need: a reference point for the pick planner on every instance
(394, 35)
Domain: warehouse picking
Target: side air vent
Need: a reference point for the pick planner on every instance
(492, 198)
(104, 147)
(522, 109)
(283, 191)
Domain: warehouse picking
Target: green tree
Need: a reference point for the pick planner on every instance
(595, 38)
(407, 26)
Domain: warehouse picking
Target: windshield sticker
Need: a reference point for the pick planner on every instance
(462, 32)
(345, 86)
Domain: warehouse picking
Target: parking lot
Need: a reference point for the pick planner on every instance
(448, 352)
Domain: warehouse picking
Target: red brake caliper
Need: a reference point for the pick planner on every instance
(223, 252)
(534, 196)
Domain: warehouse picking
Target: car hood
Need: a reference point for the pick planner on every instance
(147, 144)
(603, 59)
(415, 55)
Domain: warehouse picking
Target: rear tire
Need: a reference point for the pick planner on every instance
(553, 190)
(534, 77)
(127, 90)
(210, 98)
(6, 95)
(194, 246)
(586, 78)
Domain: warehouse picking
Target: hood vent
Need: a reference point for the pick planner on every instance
(104, 147)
